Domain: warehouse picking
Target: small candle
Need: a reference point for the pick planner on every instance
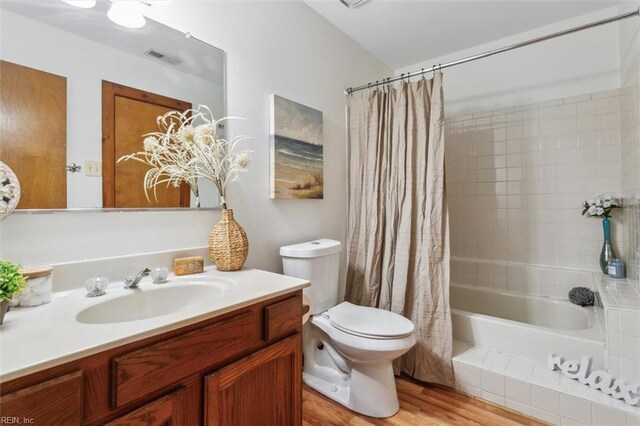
(615, 268)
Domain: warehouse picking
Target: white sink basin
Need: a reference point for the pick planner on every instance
(150, 303)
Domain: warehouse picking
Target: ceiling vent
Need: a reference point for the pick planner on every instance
(163, 57)
(353, 3)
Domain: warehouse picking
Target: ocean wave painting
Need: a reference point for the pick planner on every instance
(296, 150)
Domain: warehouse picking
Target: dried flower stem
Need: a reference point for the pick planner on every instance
(182, 152)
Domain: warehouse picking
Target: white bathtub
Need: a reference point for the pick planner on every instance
(527, 326)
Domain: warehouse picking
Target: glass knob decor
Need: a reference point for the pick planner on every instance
(159, 274)
(96, 286)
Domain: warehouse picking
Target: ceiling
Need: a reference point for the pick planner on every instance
(193, 56)
(405, 32)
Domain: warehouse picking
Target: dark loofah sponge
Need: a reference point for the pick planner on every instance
(581, 296)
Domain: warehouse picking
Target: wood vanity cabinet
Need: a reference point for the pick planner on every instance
(240, 368)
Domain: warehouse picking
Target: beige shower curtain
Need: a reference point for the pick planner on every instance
(398, 236)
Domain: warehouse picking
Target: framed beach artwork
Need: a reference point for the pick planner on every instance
(296, 150)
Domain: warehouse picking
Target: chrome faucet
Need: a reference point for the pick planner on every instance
(131, 282)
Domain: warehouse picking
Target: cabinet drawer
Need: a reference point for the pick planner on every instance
(54, 402)
(146, 370)
(168, 410)
(283, 317)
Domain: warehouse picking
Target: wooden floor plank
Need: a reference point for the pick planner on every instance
(419, 405)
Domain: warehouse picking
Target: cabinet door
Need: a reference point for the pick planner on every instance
(166, 411)
(54, 402)
(264, 388)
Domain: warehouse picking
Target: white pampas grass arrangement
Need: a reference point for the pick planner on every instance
(187, 148)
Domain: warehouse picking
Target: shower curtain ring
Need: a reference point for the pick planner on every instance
(422, 72)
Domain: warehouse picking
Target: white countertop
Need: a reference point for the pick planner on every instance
(617, 293)
(33, 339)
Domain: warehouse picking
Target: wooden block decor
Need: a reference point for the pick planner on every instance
(188, 265)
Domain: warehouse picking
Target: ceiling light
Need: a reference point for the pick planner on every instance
(127, 13)
(85, 4)
(352, 3)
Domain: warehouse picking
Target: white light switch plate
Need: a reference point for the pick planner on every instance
(93, 168)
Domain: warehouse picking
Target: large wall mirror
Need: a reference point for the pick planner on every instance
(79, 91)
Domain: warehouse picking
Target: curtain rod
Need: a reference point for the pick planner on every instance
(439, 67)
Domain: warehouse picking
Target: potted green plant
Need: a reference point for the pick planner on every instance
(12, 282)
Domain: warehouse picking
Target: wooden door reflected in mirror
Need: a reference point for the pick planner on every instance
(33, 134)
(127, 115)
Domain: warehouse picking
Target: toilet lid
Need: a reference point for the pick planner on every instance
(368, 322)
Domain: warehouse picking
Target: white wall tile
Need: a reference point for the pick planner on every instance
(496, 399)
(606, 416)
(545, 399)
(469, 390)
(518, 390)
(628, 322)
(546, 416)
(518, 406)
(520, 368)
(496, 361)
(633, 420)
(576, 409)
(493, 382)
(542, 163)
(467, 374)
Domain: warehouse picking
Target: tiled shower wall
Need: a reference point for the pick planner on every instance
(516, 179)
(630, 150)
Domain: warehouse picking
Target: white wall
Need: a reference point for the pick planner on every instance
(283, 48)
(629, 32)
(85, 64)
(630, 141)
(576, 64)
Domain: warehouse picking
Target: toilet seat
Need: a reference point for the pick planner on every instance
(371, 323)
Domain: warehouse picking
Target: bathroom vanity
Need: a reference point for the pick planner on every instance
(237, 361)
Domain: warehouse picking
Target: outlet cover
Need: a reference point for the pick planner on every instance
(93, 168)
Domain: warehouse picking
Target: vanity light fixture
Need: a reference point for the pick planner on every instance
(85, 4)
(127, 13)
(353, 3)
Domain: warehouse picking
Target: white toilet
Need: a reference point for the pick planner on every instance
(348, 349)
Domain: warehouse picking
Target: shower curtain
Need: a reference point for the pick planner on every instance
(398, 231)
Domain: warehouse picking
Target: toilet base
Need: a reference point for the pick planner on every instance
(367, 388)
(354, 371)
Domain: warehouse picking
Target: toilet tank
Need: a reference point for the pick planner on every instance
(319, 262)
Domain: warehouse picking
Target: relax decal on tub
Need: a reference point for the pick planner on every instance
(599, 379)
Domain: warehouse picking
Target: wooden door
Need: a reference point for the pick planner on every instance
(33, 134)
(166, 411)
(264, 388)
(127, 115)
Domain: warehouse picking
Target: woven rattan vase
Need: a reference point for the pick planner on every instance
(228, 244)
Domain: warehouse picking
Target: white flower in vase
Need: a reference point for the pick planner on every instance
(601, 205)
